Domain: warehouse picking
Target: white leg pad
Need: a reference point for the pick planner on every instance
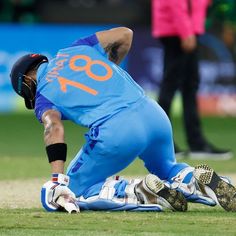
(107, 201)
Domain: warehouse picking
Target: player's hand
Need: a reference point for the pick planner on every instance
(56, 195)
(189, 44)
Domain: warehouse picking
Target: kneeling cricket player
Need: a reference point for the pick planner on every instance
(83, 83)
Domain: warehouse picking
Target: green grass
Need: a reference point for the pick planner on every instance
(220, 131)
(22, 156)
(206, 221)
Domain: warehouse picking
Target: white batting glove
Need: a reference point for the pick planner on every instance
(55, 194)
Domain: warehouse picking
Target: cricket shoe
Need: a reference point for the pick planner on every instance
(185, 182)
(218, 188)
(152, 190)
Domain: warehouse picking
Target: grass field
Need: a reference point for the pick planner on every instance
(23, 161)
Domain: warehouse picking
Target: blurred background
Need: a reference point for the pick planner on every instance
(44, 26)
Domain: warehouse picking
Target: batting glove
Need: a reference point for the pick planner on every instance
(55, 189)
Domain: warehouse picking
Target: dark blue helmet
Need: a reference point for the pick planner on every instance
(23, 65)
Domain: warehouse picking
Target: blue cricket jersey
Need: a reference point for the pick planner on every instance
(84, 85)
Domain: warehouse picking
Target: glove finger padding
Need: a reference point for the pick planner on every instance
(47, 196)
(50, 193)
(61, 190)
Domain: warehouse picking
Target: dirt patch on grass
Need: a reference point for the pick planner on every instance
(26, 193)
(21, 193)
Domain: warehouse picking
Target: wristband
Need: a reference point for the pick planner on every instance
(60, 179)
(56, 152)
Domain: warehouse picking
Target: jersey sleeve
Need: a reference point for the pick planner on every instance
(91, 41)
(42, 104)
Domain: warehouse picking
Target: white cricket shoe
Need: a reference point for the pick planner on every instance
(152, 190)
(218, 188)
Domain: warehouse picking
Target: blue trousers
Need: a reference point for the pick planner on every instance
(143, 130)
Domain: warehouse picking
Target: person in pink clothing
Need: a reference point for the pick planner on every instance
(177, 24)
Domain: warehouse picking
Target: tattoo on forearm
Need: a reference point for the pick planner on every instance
(47, 131)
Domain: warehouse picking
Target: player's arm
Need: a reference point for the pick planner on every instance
(116, 42)
(54, 140)
(56, 193)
